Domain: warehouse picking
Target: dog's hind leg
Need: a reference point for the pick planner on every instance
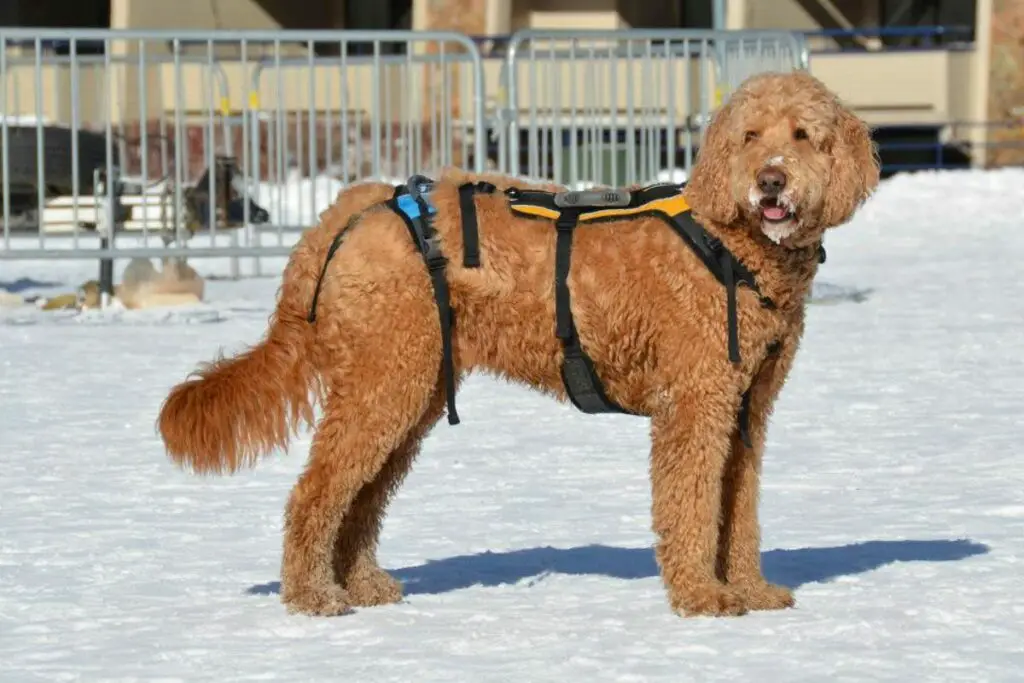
(352, 445)
(380, 356)
(689, 449)
(355, 550)
(739, 552)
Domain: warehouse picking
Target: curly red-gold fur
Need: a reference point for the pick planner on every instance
(648, 312)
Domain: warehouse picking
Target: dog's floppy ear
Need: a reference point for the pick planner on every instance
(855, 168)
(708, 186)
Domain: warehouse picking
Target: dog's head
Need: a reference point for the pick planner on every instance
(783, 157)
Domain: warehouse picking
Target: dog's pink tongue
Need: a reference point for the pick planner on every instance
(774, 213)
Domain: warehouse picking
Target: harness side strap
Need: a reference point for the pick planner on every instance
(436, 264)
(335, 244)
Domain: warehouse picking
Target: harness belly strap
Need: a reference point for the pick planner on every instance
(582, 385)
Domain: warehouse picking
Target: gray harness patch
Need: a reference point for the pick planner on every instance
(592, 198)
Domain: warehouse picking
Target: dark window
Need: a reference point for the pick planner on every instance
(372, 15)
(695, 14)
(955, 18)
(59, 14)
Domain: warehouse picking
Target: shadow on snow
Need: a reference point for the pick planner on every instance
(789, 567)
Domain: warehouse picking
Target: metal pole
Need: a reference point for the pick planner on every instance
(718, 15)
(106, 274)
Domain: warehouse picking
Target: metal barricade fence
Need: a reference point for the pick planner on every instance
(166, 141)
(621, 107)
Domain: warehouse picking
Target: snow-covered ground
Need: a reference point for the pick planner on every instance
(893, 496)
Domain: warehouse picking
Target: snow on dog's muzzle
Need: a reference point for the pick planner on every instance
(773, 203)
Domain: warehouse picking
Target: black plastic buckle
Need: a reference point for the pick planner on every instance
(419, 184)
(434, 257)
(567, 220)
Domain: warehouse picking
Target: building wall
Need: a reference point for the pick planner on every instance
(223, 14)
(778, 14)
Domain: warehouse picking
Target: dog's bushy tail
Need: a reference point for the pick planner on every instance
(234, 410)
(231, 412)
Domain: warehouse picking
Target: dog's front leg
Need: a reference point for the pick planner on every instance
(689, 449)
(739, 553)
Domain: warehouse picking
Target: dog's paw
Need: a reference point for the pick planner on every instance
(325, 601)
(761, 595)
(373, 586)
(710, 599)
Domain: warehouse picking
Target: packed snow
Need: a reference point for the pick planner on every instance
(892, 495)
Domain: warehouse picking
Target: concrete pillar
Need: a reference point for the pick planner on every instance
(981, 60)
(464, 16)
(498, 17)
(1005, 78)
(736, 14)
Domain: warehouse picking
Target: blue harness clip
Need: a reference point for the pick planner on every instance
(411, 208)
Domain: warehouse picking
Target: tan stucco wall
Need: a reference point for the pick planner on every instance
(223, 14)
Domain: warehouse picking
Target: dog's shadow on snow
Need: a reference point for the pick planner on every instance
(789, 567)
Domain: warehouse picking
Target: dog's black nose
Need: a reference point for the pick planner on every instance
(771, 181)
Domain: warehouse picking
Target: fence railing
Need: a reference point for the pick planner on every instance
(227, 144)
(615, 107)
(890, 39)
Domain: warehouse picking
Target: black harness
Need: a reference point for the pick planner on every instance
(581, 381)
(568, 210)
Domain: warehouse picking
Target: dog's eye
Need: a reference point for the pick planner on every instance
(750, 136)
(799, 134)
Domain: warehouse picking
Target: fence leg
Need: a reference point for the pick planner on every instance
(236, 269)
(106, 275)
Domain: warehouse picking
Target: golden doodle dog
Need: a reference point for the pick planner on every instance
(356, 332)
